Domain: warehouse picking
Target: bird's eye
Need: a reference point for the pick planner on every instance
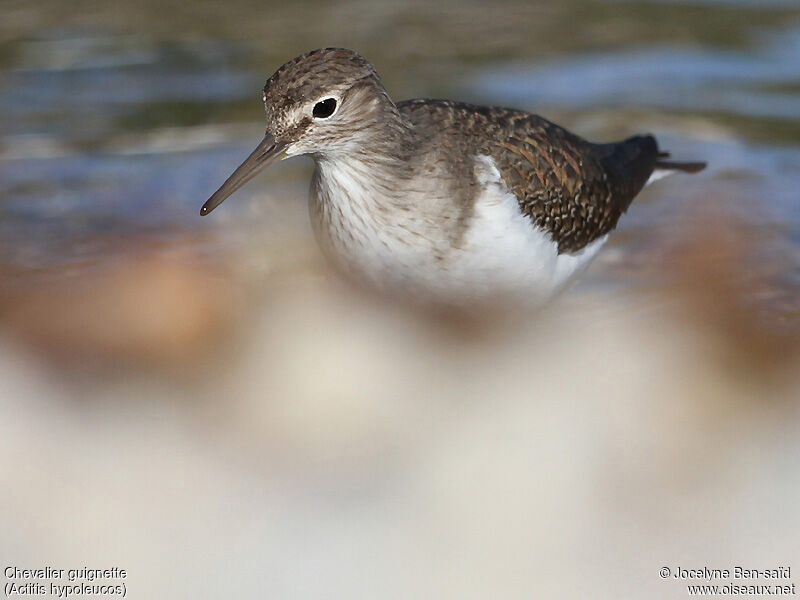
(324, 108)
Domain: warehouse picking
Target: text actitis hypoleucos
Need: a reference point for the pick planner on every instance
(440, 199)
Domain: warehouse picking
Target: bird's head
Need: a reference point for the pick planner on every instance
(321, 103)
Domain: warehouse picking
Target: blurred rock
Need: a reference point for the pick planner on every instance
(593, 437)
(729, 276)
(155, 309)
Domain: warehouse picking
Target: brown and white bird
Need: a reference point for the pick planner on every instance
(443, 200)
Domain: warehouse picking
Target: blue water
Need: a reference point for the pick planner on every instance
(674, 77)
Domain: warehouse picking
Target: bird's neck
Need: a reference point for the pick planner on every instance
(383, 139)
(365, 180)
(361, 201)
(376, 162)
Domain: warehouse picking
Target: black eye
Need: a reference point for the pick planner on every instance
(324, 109)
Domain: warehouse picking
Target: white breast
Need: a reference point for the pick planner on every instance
(408, 247)
(371, 231)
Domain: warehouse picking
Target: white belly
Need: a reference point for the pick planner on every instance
(504, 253)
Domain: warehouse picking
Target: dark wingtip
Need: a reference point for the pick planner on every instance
(204, 211)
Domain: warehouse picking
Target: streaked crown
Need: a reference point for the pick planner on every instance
(320, 100)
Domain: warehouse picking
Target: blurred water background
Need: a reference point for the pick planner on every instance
(201, 402)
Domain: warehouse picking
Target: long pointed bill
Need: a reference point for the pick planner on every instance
(266, 153)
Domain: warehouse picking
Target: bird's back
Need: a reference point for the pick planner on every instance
(572, 189)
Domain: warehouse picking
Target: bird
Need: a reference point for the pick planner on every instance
(445, 201)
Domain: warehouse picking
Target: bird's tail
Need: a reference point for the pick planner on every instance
(668, 167)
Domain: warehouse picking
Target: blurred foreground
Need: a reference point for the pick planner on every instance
(337, 446)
